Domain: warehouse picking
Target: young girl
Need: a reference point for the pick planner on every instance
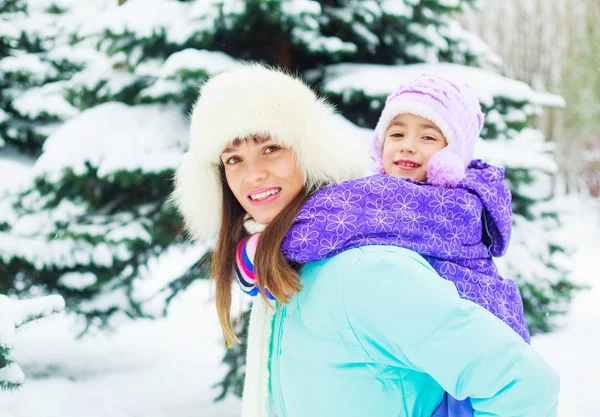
(433, 200)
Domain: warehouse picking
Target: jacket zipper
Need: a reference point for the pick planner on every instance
(278, 360)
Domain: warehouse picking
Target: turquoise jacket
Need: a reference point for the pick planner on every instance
(376, 332)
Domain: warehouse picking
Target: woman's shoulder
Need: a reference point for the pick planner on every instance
(362, 257)
(368, 282)
(369, 269)
(374, 278)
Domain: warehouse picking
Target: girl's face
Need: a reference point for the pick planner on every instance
(263, 176)
(410, 141)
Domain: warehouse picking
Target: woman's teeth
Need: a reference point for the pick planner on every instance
(264, 195)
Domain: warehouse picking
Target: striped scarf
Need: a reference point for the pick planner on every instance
(244, 266)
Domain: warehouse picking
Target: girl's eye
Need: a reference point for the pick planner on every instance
(429, 138)
(397, 135)
(272, 148)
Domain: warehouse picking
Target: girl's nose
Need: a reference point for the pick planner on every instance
(408, 145)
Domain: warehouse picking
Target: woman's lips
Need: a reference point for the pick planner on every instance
(266, 200)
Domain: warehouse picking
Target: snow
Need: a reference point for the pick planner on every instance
(77, 280)
(128, 231)
(527, 150)
(449, 3)
(422, 52)
(573, 348)
(468, 42)
(397, 9)
(15, 171)
(47, 100)
(158, 368)
(168, 15)
(30, 64)
(11, 374)
(205, 13)
(116, 137)
(233, 7)
(162, 89)
(317, 43)
(300, 7)
(117, 82)
(369, 37)
(430, 34)
(60, 253)
(158, 272)
(193, 60)
(16, 313)
(35, 25)
(381, 80)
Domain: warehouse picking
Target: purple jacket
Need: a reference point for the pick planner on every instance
(457, 230)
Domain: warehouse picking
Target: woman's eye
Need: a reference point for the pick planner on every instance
(233, 160)
(271, 149)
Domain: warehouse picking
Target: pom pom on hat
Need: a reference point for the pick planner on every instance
(445, 168)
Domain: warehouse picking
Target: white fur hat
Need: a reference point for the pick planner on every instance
(258, 100)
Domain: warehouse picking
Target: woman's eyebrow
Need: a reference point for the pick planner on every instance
(237, 142)
(229, 149)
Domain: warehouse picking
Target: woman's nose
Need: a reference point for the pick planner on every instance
(256, 172)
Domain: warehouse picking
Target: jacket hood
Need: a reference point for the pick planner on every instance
(487, 182)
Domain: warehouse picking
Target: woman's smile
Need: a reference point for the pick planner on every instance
(263, 196)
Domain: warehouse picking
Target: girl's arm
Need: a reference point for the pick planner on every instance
(400, 308)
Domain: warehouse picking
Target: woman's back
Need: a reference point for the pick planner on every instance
(374, 326)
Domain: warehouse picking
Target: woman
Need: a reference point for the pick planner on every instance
(372, 331)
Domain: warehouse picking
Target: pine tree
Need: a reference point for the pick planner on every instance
(31, 74)
(16, 314)
(95, 221)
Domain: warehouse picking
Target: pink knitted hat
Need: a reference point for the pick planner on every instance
(455, 110)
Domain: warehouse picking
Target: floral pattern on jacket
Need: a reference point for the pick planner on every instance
(457, 230)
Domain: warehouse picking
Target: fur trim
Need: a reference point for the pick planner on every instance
(445, 168)
(255, 401)
(197, 186)
(377, 155)
(394, 109)
(259, 100)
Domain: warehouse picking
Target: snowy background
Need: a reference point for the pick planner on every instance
(117, 116)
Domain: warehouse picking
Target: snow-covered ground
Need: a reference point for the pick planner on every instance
(166, 368)
(573, 348)
(157, 368)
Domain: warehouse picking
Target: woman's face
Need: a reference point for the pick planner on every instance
(263, 176)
